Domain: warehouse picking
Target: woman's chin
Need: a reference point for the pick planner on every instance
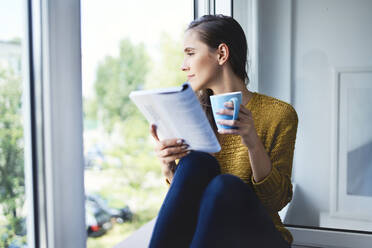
(195, 87)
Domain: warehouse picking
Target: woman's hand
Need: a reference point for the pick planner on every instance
(260, 161)
(168, 151)
(244, 125)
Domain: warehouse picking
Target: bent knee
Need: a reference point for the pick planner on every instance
(225, 181)
(200, 161)
(228, 183)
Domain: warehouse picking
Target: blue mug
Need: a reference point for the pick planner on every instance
(218, 101)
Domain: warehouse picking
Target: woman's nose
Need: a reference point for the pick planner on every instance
(184, 67)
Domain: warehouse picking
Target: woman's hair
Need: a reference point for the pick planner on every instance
(214, 30)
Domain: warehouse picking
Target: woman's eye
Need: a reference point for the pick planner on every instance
(190, 54)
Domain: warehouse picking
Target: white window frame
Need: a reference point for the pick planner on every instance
(55, 97)
(27, 109)
(224, 7)
(58, 122)
(245, 12)
(203, 7)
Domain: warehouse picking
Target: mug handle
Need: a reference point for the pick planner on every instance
(234, 100)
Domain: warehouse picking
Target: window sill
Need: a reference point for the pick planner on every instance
(140, 238)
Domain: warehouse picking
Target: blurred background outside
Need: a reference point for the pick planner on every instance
(126, 46)
(13, 209)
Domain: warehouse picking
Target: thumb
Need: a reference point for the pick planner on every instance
(154, 132)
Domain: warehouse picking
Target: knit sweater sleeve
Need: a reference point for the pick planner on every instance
(275, 190)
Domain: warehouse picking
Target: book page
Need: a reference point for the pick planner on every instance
(188, 121)
(178, 115)
(155, 115)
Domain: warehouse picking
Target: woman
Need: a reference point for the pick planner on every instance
(231, 198)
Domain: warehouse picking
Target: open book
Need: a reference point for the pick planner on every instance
(177, 113)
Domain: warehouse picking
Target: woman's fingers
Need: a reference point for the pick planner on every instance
(233, 123)
(154, 132)
(225, 112)
(168, 150)
(229, 131)
(229, 110)
(171, 142)
(245, 110)
(229, 105)
(173, 157)
(173, 150)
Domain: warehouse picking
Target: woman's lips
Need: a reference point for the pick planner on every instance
(190, 76)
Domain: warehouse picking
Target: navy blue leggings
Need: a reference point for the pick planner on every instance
(205, 209)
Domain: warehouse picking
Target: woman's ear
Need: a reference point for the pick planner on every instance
(222, 53)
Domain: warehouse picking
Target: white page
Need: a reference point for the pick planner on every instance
(155, 115)
(189, 120)
(178, 115)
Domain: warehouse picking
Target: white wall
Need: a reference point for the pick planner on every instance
(302, 43)
(274, 44)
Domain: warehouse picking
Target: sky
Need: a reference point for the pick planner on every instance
(11, 19)
(105, 22)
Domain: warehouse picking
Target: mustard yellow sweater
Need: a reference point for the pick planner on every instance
(276, 124)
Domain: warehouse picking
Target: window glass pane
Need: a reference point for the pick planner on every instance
(13, 209)
(330, 89)
(126, 45)
(359, 156)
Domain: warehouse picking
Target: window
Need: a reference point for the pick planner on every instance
(295, 62)
(13, 207)
(126, 45)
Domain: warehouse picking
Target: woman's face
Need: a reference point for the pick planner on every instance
(200, 63)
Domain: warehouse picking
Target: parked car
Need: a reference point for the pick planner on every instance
(94, 158)
(98, 220)
(122, 215)
(119, 215)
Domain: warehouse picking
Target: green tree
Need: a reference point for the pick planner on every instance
(116, 78)
(12, 189)
(139, 181)
(168, 71)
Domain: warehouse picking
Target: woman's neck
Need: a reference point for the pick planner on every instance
(229, 82)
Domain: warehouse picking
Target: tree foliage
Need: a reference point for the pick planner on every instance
(12, 189)
(116, 78)
(168, 71)
(126, 133)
